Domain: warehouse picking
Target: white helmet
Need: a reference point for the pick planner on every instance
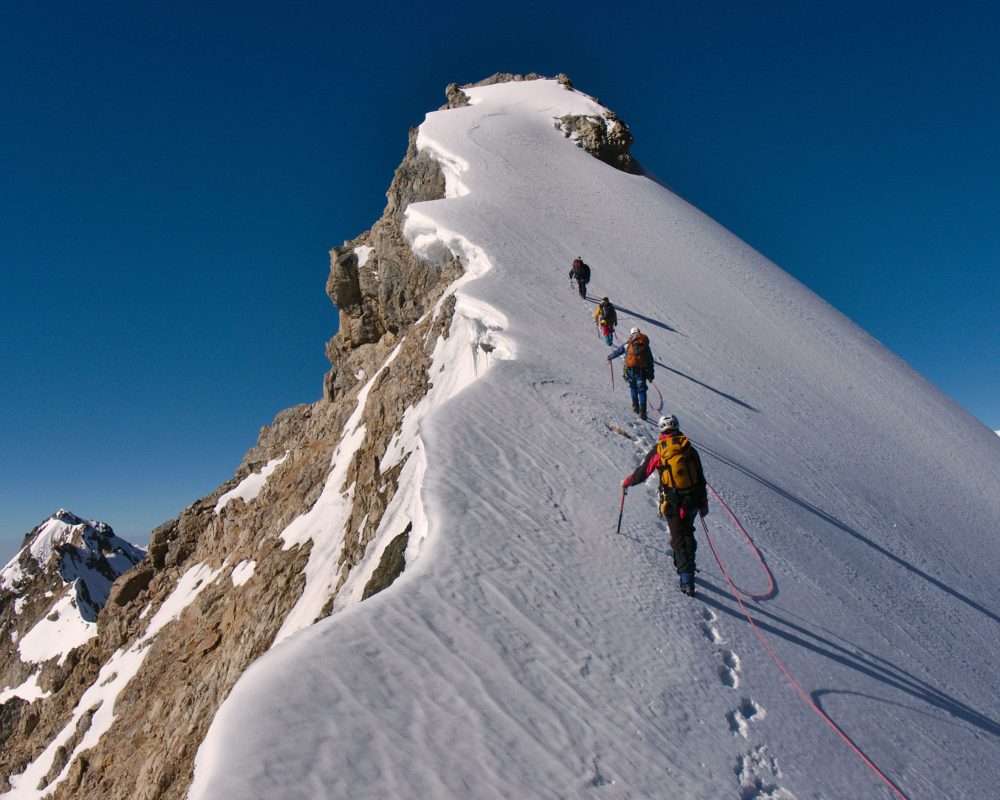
(669, 423)
(633, 331)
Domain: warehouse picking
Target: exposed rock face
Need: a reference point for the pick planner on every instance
(250, 578)
(220, 581)
(51, 593)
(606, 138)
(391, 288)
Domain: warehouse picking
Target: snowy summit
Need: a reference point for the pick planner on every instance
(430, 583)
(530, 651)
(53, 589)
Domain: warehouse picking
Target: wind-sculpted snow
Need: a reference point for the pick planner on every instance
(531, 651)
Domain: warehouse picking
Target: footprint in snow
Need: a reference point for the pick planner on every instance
(756, 772)
(711, 633)
(729, 669)
(746, 712)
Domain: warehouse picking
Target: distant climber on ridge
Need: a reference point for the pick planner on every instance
(580, 273)
(638, 367)
(682, 493)
(606, 319)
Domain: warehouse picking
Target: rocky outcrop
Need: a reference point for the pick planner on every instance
(220, 581)
(377, 283)
(606, 138)
(390, 567)
(249, 578)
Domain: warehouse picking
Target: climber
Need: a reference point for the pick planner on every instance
(580, 273)
(606, 318)
(638, 367)
(682, 493)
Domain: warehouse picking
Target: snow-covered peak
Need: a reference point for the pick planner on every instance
(81, 553)
(534, 650)
(547, 96)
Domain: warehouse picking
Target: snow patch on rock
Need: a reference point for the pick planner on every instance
(250, 486)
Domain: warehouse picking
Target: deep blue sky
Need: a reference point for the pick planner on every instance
(173, 176)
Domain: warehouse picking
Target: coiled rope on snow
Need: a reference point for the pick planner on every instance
(736, 592)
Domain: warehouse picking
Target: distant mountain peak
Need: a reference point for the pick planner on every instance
(66, 557)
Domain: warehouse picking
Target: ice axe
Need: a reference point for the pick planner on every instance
(621, 511)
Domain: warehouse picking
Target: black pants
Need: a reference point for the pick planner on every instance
(680, 521)
(582, 285)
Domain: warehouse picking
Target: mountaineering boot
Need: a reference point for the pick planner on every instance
(635, 406)
(642, 411)
(687, 583)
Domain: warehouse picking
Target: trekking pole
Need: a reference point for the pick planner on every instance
(621, 511)
(611, 368)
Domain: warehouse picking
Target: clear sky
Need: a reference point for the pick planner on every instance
(173, 176)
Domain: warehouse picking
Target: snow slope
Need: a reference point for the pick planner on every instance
(530, 651)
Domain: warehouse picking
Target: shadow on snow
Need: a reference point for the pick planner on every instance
(830, 519)
(729, 397)
(852, 657)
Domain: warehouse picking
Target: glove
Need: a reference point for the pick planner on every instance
(626, 482)
(609, 358)
(704, 509)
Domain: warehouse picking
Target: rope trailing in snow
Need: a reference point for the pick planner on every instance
(756, 550)
(736, 592)
(659, 408)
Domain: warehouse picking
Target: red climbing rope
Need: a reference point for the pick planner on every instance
(736, 592)
(659, 408)
(760, 558)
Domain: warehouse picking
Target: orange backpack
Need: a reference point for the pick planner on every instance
(637, 351)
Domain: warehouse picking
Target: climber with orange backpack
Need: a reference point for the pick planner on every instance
(638, 367)
(682, 493)
(606, 318)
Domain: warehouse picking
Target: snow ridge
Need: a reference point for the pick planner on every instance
(534, 652)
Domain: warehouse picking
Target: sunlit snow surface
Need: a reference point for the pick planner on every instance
(530, 651)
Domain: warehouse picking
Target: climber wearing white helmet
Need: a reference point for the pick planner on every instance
(682, 493)
(638, 367)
